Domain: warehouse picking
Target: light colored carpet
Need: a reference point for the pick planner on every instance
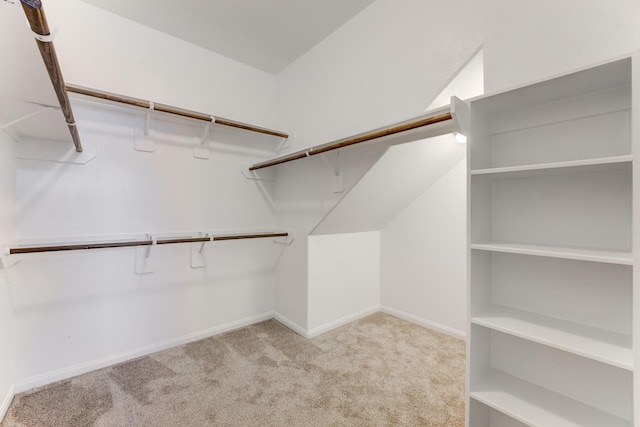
(377, 371)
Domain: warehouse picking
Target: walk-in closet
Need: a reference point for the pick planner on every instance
(367, 213)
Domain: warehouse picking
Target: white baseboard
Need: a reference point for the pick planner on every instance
(290, 324)
(342, 321)
(424, 322)
(72, 371)
(4, 406)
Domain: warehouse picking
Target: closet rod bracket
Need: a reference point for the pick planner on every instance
(197, 252)
(254, 176)
(6, 263)
(145, 132)
(144, 261)
(337, 172)
(45, 38)
(201, 148)
(147, 124)
(18, 120)
(286, 240)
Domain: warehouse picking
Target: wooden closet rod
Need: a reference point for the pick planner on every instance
(391, 130)
(171, 110)
(38, 23)
(57, 248)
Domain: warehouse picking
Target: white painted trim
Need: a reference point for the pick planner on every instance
(343, 321)
(72, 371)
(290, 324)
(6, 402)
(424, 322)
(82, 368)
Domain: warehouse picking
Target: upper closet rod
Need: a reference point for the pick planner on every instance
(172, 110)
(38, 23)
(391, 130)
(57, 248)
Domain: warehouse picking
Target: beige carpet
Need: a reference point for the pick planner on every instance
(377, 371)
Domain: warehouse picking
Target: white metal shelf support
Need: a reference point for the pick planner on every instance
(7, 263)
(35, 113)
(144, 262)
(337, 172)
(201, 148)
(197, 253)
(145, 132)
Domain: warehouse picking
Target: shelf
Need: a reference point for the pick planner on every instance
(551, 209)
(581, 254)
(537, 406)
(433, 123)
(559, 166)
(103, 96)
(597, 344)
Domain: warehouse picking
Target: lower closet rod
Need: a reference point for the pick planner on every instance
(104, 245)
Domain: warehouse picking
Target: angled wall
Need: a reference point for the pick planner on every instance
(380, 67)
(391, 60)
(423, 256)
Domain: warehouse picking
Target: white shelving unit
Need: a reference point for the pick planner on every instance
(551, 238)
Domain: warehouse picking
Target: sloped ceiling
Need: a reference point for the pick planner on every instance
(265, 34)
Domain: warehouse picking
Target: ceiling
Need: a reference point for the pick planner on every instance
(265, 34)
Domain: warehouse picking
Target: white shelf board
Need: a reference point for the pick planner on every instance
(556, 165)
(597, 344)
(537, 406)
(581, 254)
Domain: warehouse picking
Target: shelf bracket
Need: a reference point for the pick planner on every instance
(144, 263)
(288, 240)
(145, 132)
(286, 142)
(12, 135)
(54, 151)
(253, 176)
(337, 172)
(6, 260)
(461, 115)
(197, 253)
(13, 122)
(6, 263)
(201, 148)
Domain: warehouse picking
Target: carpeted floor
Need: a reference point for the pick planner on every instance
(377, 371)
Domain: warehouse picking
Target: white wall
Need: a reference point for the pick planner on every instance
(527, 41)
(385, 65)
(390, 61)
(77, 311)
(7, 233)
(423, 269)
(381, 67)
(344, 278)
(80, 307)
(101, 50)
(303, 196)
